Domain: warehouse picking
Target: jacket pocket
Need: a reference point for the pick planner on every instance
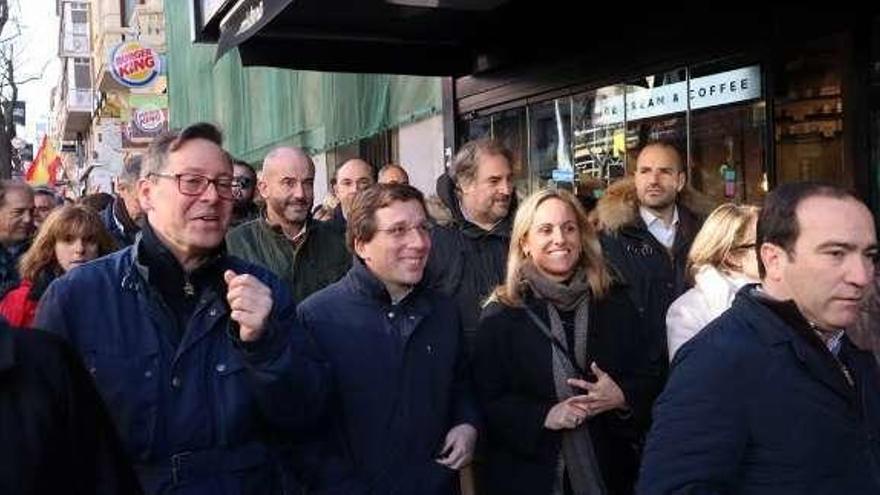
(233, 396)
(129, 386)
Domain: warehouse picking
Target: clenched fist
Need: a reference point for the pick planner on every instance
(250, 301)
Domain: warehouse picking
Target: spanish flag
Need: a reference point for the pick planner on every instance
(44, 169)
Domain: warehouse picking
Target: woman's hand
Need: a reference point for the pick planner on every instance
(567, 414)
(603, 395)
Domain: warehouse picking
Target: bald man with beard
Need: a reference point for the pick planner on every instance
(308, 255)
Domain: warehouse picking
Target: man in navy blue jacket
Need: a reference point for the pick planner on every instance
(404, 416)
(197, 353)
(772, 397)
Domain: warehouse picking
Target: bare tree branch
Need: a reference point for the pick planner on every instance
(4, 14)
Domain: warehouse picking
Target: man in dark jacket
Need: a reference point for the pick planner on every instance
(121, 217)
(307, 255)
(16, 230)
(57, 435)
(469, 254)
(772, 397)
(404, 413)
(197, 353)
(351, 177)
(646, 240)
(244, 208)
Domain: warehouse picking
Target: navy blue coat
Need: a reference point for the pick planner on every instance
(753, 406)
(197, 417)
(653, 276)
(113, 226)
(400, 381)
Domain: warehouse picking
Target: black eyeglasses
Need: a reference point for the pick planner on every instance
(196, 185)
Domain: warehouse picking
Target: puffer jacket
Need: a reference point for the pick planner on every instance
(711, 295)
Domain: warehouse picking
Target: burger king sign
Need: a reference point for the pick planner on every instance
(134, 65)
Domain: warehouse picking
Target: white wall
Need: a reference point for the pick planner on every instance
(420, 149)
(322, 184)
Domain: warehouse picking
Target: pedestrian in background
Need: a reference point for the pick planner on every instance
(70, 236)
(16, 230)
(722, 260)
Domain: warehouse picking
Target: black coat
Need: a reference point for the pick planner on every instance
(400, 382)
(118, 223)
(514, 377)
(654, 276)
(756, 404)
(56, 434)
(466, 261)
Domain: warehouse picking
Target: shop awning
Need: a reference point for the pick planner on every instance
(420, 37)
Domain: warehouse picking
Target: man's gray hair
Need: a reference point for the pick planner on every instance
(156, 158)
(131, 171)
(464, 165)
(13, 185)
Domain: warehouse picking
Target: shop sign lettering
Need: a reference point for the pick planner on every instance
(704, 92)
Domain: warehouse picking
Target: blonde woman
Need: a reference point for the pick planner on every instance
(557, 362)
(721, 261)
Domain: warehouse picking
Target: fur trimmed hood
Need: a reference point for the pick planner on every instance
(619, 207)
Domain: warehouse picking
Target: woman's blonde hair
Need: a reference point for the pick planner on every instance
(726, 232)
(66, 224)
(598, 275)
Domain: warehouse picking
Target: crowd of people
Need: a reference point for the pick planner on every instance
(208, 329)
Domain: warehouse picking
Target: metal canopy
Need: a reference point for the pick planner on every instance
(420, 37)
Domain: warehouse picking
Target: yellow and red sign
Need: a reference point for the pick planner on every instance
(134, 64)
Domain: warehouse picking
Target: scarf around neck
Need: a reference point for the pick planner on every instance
(577, 457)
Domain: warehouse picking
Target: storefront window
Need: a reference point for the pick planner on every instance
(727, 133)
(509, 127)
(714, 113)
(550, 143)
(598, 138)
(809, 114)
(656, 109)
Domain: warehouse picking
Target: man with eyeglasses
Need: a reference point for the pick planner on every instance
(405, 414)
(197, 353)
(244, 209)
(306, 254)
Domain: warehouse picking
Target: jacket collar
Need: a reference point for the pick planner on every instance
(688, 225)
(363, 282)
(7, 347)
(780, 323)
(276, 230)
(137, 272)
